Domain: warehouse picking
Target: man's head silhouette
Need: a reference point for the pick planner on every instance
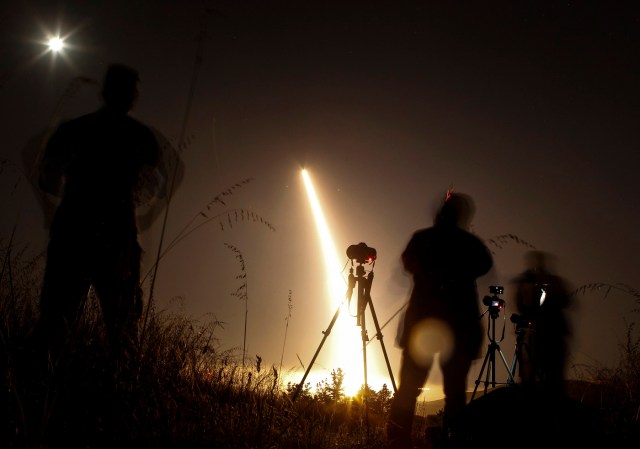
(457, 210)
(120, 88)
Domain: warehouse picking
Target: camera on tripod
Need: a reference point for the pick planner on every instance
(493, 302)
(521, 322)
(361, 253)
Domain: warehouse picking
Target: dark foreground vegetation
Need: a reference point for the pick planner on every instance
(182, 391)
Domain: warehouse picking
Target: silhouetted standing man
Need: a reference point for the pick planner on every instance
(542, 299)
(442, 316)
(97, 161)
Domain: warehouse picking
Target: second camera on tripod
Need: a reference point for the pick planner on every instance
(494, 302)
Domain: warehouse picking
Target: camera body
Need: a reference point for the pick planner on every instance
(493, 302)
(521, 322)
(361, 253)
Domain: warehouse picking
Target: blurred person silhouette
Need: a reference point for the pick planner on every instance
(97, 164)
(442, 317)
(542, 299)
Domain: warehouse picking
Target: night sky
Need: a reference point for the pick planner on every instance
(531, 109)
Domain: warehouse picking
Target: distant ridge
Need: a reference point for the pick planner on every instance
(426, 408)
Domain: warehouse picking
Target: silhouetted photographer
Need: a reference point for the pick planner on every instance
(542, 299)
(442, 316)
(97, 163)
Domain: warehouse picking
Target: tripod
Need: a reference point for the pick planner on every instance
(528, 371)
(490, 358)
(363, 284)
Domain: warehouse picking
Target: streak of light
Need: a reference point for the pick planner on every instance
(346, 350)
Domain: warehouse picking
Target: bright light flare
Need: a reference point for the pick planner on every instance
(429, 337)
(543, 295)
(55, 44)
(346, 339)
(58, 44)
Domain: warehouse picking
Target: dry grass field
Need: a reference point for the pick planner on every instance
(182, 391)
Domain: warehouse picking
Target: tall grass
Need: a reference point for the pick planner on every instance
(242, 293)
(615, 390)
(286, 327)
(182, 391)
(226, 219)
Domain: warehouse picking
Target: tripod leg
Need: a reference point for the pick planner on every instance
(365, 338)
(326, 334)
(384, 351)
(517, 355)
(492, 367)
(484, 364)
(510, 381)
(514, 365)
